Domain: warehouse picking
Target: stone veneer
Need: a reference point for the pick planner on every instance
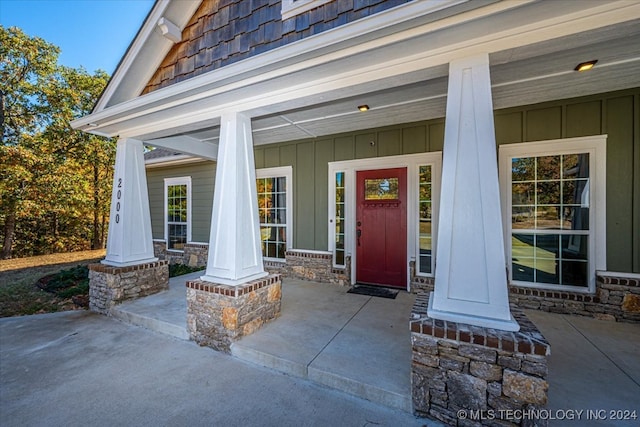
(419, 284)
(317, 267)
(616, 299)
(218, 315)
(110, 285)
(193, 255)
(457, 367)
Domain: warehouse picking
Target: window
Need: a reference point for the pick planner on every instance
(177, 196)
(338, 255)
(291, 8)
(274, 210)
(425, 251)
(553, 202)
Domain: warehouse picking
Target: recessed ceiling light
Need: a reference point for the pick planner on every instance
(585, 66)
(363, 107)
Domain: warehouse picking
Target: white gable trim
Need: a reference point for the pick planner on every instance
(148, 49)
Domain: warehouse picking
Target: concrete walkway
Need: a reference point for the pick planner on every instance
(361, 345)
(82, 368)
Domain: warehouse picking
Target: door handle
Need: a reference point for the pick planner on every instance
(358, 234)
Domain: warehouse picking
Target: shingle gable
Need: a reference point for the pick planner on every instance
(222, 32)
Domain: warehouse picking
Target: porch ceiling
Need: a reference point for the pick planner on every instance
(520, 76)
(404, 78)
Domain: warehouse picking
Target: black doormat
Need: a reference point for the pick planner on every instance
(373, 291)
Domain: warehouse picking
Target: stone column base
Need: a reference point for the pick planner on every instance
(218, 315)
(110, 285)
(468, 375)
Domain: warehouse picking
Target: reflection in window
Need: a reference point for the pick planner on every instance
(177, 216)
(381, 189)
(272, 210)
(550, 219)
(424, 225)
(340, 216)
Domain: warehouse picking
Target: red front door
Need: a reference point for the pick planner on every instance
(381, 227)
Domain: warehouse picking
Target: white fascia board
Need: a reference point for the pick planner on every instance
(335, 36)
(212, 84)
(146, 52)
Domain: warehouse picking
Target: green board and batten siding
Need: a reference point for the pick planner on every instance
(616, 114)
(202, 181)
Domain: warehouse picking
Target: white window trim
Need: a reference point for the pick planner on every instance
(291, 8)
(287, 173)
(596, 147)
(184, 180)
(410, 161)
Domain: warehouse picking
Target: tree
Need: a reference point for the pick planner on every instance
(54, 181)
(73, 95)
(26, 63)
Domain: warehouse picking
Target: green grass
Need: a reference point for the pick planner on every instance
(46, 294)
(20, 298)
(180, 269)
(45, 287)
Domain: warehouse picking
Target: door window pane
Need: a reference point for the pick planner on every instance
(381, 189)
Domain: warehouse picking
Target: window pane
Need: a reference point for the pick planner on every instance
(575, 165)
(547, 271)
(547, 246)
(523, 193)
(575, 218)
(425, 263)
(548, 217)
(523, 217)
(548, 193)
(548, 167)
(574, 273)
(381, 189)
(177, 236)
(523, 169)
(575, 247)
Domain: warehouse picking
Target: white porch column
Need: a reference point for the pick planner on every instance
(129, 241)
(235, 256)
(470, 277)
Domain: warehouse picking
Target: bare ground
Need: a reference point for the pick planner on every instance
(19, 294)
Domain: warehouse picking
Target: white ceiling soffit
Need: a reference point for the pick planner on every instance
(401, 75)
(146, 52)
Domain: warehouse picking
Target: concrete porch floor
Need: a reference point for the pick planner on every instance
(361, 345)
(354, 343)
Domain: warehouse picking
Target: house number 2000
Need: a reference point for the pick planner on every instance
(118, 197)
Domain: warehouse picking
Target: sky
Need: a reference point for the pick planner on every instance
(94, 34)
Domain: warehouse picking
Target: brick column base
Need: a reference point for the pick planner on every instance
(488, 376)
(110, 285)
(218, 315)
